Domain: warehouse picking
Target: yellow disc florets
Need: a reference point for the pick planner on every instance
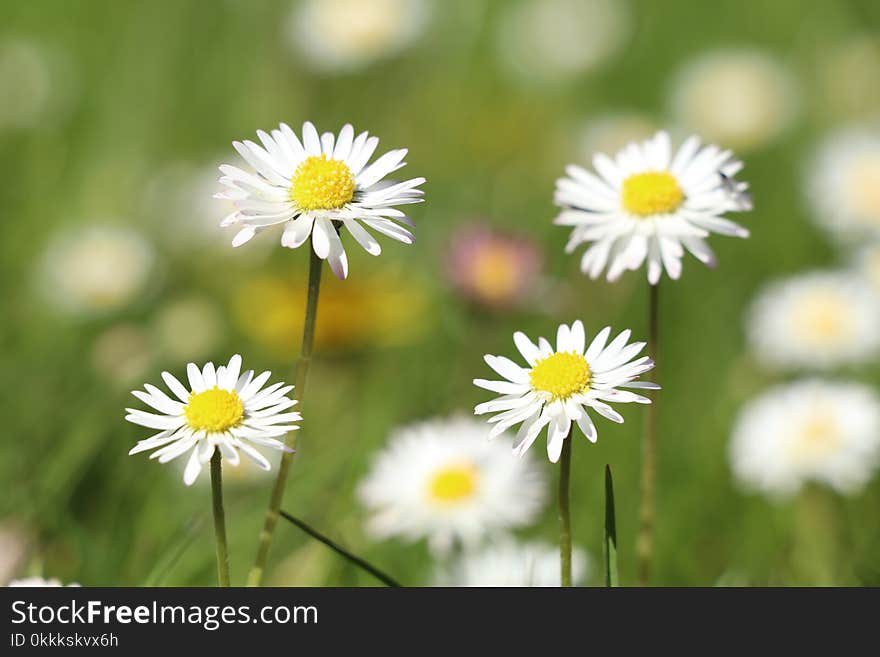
(321, 183)
(562, 374)
(214, 410)
(654, 192)
(453, 483)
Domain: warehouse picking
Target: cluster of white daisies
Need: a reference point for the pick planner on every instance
(821, 428)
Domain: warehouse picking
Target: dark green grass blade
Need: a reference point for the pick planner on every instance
(611, 576)
(386, 579)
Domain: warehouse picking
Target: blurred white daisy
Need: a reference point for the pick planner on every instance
(189, 328)
(744, 98)
(815, 320)
(555, 40)
(38, 582)
(443, 480)
(340, 36)
(821, 431)
(609, 133)
(867, 264)
(14, 543)
(558, 386)
(648, 204)
(844, 183)
(95, 269)
(221, 409)
(317, 187)
(508, 563)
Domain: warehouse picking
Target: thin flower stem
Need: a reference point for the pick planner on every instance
(387, 580)
(219, 519)
(255, 577)
(645, 544)
(564, 512)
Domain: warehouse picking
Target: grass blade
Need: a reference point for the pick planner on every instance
(387, 580)
(611, 576)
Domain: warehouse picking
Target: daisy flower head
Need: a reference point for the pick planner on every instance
(342, 36)
(222, 409)
(511, 564)
(316, 187)
(822, 431)
(39, 582)
(558, 386)
(442, 480)
(648, 204)
(816, 320)
(843, 183)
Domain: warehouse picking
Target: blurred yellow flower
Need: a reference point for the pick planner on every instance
(377, 310)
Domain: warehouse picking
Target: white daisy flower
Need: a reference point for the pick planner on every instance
(221, 409)
(508, 563)
(740, 97)
(646, 204)
(822, 431)
(558, 386)
(443, 480)
(340, 36)
(844, 183)
(556, 40)
(38, 582)
(95, 269)
(815, 320)
(317, 187)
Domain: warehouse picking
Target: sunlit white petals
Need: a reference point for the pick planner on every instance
(816, 321)
(221, 410)
(319, 187)
(648, 205)
(442, 480)
(557, 387)
(820, 431)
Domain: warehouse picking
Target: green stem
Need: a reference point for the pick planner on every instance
(564, 512)
(387, 580)
(255, 577)
(219, 519)
(611, 577)
(645, 544)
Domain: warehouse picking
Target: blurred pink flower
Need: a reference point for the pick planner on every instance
(492, 268)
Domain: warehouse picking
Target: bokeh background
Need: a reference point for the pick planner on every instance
(113, 118)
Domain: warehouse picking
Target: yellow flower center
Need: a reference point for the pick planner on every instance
(562, 374)
(214, 410)
(454, 483)
(817, 439)
(822, 317)
(321, 183)
(654, 192)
